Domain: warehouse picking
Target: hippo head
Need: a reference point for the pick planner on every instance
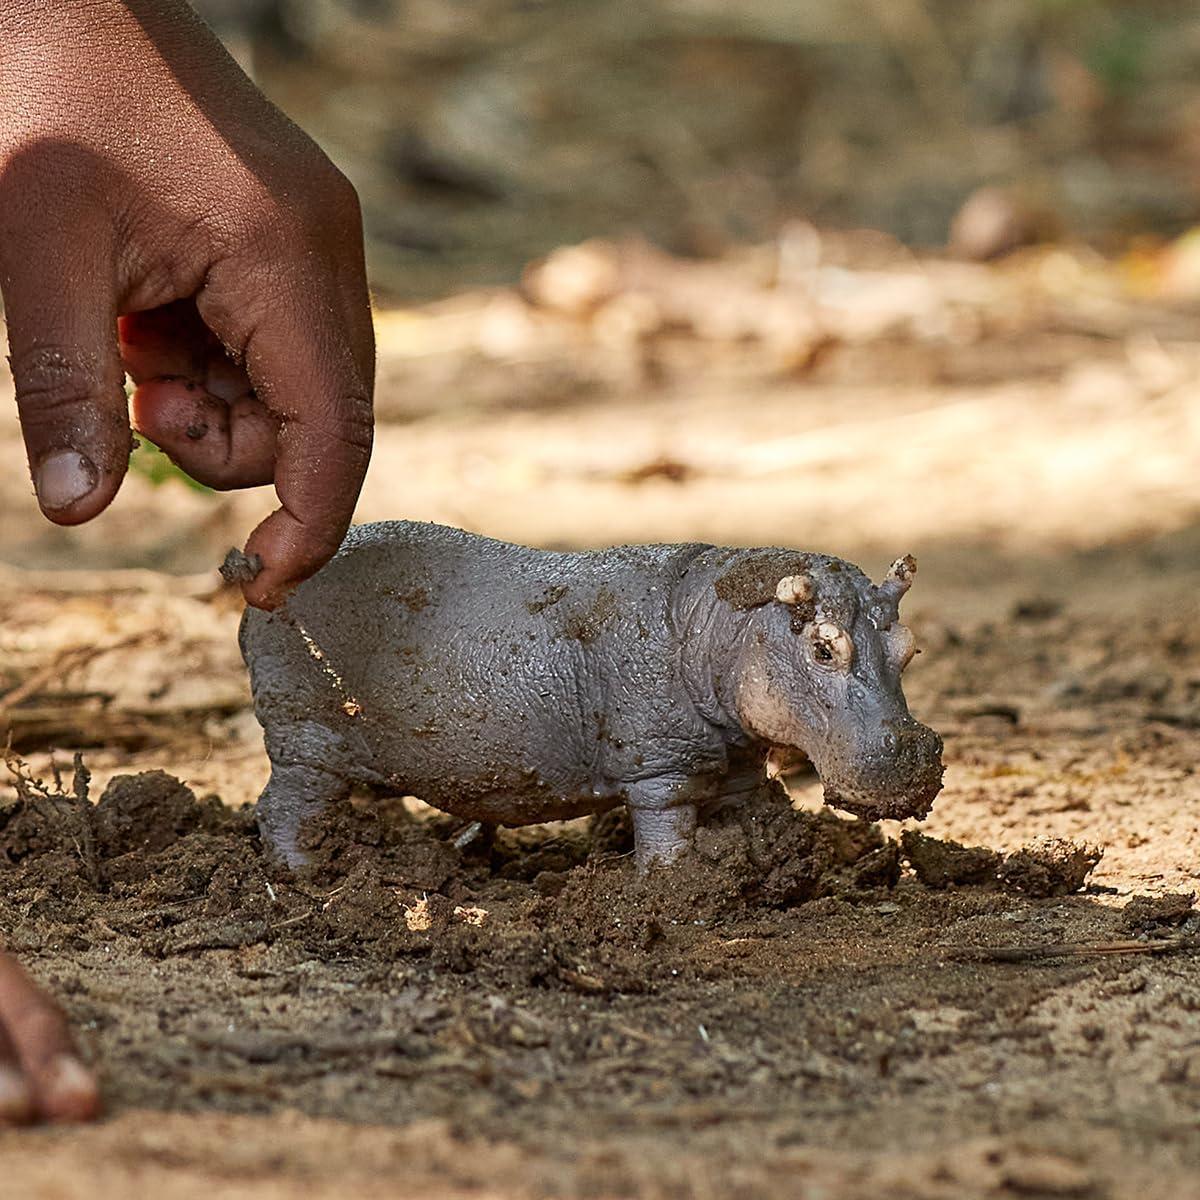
(819, 671)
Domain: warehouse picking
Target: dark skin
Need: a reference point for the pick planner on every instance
(161, 220)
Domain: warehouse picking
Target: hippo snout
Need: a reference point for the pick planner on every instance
(898, 778)
(911, 743)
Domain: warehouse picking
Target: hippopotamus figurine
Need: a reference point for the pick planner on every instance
(510, 685)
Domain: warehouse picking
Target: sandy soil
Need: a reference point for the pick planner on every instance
(801, 1015)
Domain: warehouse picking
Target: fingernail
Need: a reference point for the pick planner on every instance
(69, 1092)
(16, 1101)
(63, 478)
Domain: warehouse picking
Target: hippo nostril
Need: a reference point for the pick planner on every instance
(911, 739)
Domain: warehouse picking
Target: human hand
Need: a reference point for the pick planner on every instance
(144, 178)
(41, 1076)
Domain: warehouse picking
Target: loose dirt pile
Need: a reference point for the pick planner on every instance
(1046, 867)
(788, 988)
(544, 905)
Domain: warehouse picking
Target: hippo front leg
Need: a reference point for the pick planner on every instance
(664, 820)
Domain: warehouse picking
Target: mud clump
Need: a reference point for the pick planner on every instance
(757, 854)
(942, 864)
(1149, 914)
(143, 813)
(752, 577)
(402, 849)
(239, 567)
(150, 861)
(59, 841)
(1050, 867)
(151, 811)
(549, 597)
(1045, 867)
(771, 855)
(588, 624)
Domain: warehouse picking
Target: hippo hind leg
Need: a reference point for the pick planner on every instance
(309, 770)
(295, 794)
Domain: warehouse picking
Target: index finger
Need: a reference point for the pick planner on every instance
(301, 360)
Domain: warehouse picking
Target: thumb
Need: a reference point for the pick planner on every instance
(61, 313)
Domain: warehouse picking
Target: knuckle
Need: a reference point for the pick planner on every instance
(348, 425)
(330, 213)
(350, 430)
(264, 227)
(353, 425)
(253, 222)
(71, 398)
(358, 418)
(51, 378)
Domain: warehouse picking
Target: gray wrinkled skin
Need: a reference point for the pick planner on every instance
(512, 685)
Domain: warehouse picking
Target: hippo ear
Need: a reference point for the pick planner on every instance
(901, 645)
(794, 589)
(899, 578)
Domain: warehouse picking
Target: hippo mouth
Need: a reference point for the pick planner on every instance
(897, 802)
(887, 793)
(894, 781)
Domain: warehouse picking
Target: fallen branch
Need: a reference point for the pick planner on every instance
(201, 586)
(65, 662)
(1021, 954)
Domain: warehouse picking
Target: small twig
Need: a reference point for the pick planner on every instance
(52, 803)
(1020, 954)
(468, 835)
(28, 788)
(119, 581)
(84, 814)
(582, 981)
(291, 921)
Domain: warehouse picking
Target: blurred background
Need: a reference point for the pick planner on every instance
(482, 133)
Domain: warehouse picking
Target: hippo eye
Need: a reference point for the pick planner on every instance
(831, 646)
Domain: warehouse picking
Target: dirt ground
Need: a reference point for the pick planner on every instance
(811, 1008)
